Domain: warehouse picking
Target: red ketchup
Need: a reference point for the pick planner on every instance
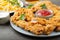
(44, 13)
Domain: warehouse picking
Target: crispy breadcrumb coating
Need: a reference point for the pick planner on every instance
(38, 25)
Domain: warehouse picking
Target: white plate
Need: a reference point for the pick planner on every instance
(20, 30)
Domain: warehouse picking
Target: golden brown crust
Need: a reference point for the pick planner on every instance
(38, 25)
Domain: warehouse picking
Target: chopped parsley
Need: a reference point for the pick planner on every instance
(22, 17)
(29, 6)
(43, 6)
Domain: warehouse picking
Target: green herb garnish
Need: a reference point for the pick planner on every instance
(22, 16)
(14, 2)
(30, 5)
(43, 6)
(17, 4)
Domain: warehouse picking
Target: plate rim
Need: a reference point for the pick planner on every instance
(31, 35)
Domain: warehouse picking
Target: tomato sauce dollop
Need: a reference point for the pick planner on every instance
(43, 12)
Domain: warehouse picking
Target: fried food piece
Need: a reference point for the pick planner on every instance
(57, 28)
(27, 12)
(35, 24)
(39, 20)
(36, 29)
(49, 28)
(56, 21)
(22, 24)
(37, 6)
(20, 11)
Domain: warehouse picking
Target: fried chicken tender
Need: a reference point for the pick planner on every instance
(50, 6)
(38, 25)
(37, 6)
(55, 21)
(49, 28)
(22, 24)
(39, 20)
(37, 29)
(58, 28)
